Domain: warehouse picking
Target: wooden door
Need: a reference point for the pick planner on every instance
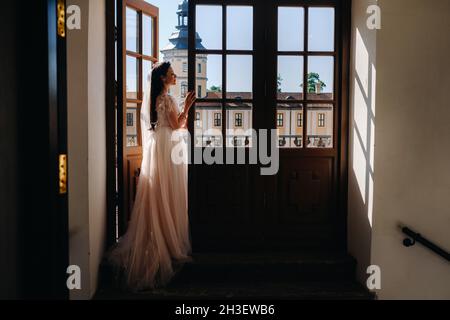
(225, 201)
(283, 66)
(137, 52)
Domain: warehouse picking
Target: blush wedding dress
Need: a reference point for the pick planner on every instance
(157, 242)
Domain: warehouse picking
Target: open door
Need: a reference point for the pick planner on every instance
(42, 214)
(137, 51)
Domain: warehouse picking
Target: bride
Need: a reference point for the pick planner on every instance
(157, 241)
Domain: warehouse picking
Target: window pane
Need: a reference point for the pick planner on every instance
(239, 124)
(209, 26)
(291, 26)
(209, 79)
(239, 28)
(321, 29)
(289, 124)
(132, 118)
(208, 124)
(132, 26)
(320, 78)
(147, 34)
(146, 68)
(239, 77)
(320, 126)
(132, 77)
(290, 78)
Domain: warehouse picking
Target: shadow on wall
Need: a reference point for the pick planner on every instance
(362, 132)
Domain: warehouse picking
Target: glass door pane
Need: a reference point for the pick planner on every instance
(321, 78)
(239, 28)
(132, 30)
(147, 35)
(320, 126)
(208, 76)
(291, 26)
(209, 26)
(132, 77)
(321, 29)
(290, 78)
(289, 124)
(239, 77)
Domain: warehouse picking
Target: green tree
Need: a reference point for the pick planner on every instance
(313, 79)
(279, 80)
(215, 89)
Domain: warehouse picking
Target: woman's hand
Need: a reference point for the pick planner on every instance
(180, 121)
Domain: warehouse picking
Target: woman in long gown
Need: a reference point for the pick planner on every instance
(157, 241)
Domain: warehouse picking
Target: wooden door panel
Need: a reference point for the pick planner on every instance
(217, 203)
(305, 186)
(302, 215)
(223, 217)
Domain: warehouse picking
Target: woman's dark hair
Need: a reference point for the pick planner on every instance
(159, 70)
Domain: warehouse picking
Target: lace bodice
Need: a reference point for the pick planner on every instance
(165, 103)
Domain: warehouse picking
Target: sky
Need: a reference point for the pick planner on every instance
(239, 36)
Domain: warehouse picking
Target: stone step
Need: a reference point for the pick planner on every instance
(279, 275)
(287, 267)
(267, 290)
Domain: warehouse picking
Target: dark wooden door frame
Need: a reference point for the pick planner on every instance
(58, 147)
(42, 122)
(112, 99)
(341, 83)
(60, 140)
(343, 24)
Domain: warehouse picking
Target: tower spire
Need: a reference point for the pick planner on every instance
(179, 38)
(182, 13)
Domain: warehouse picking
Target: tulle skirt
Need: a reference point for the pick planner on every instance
(157, 241)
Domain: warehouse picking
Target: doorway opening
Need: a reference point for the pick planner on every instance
(279, 65)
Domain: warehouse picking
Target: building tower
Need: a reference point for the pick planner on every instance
(176, 52)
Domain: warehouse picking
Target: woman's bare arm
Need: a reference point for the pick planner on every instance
(178, 121)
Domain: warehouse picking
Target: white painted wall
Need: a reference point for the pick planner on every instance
(411, 128)
(87, 143)
(361, 136)
(97, 136)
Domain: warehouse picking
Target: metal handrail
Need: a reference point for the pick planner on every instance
(414, 237)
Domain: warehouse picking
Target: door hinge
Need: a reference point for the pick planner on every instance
(116, 34)
(62, 173)
(61, 12)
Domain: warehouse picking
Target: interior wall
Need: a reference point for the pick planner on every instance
(97, 135)
(361, 136)
(8, 160)
(86, 137)
(412, 184)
